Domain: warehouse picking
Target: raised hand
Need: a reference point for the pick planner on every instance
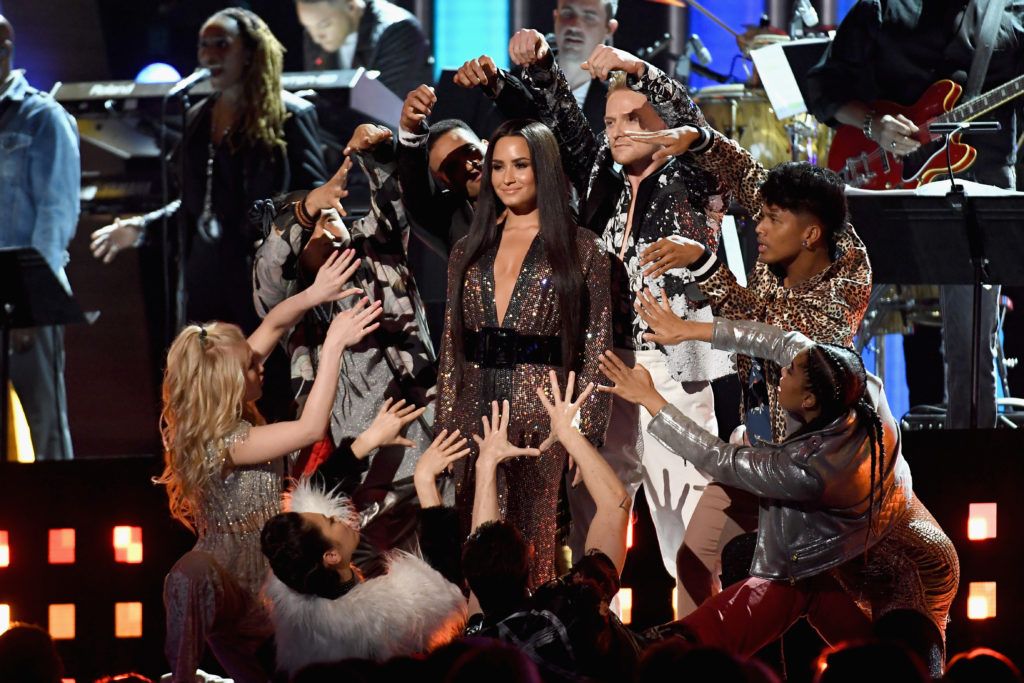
(561, 410)
(477, 72)
(118, 236)
(666, 328)
(386, 428)
(416, 108)
(331, 278)
(673, 141)
(528, 47)
(631, 384)
(445, 450)
(666, 254)
(494, 446)
(330, 194)
(605, 59)
(365, 137)
(349, 327)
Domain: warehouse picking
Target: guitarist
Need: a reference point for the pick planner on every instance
(894, 50)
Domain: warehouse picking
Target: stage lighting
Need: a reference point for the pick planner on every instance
(128, 544)
(62, 621)
(981, 600)
(128, 620)
(981, 521)
(5, 617)
(62, 546)
(158, 72)
(5, 550)
(626, 605)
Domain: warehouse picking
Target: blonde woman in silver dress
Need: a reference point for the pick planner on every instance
(224, 470)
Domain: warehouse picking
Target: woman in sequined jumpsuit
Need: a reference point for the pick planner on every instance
(527, 292)
(842, 539)
(224, 475)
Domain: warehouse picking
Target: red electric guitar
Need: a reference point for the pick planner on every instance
(862, 163)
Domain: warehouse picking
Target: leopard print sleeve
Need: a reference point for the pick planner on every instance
(740, 175)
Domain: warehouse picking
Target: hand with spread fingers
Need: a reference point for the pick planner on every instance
(494, 446)
(338, 269)
(480, 72)
(418, 105)
(667, 328)
(605, 59)
(330, 194)
(666, 254)
(365, 137)
(562, 410)
(386, 428)
(350, 326)
(442, 453)
(673, 141)
(528, 47)
(630, 384)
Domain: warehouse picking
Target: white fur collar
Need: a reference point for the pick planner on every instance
(410, 609)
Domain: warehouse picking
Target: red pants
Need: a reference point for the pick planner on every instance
(748, 615)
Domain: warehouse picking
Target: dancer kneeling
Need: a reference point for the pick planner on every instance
(841, 538)
(324, 611)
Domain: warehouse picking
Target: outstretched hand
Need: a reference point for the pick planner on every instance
(330, 194)
(386, 428)
(445, 450)
(668, 254)
(365, 137)
(673, 142)
(631, 384)
(350, 326)
(605, 59)
(494, 446)
(416, 108)
(667, 328)
(332, 276)
(481, 72)
(562, 409)
(528, 47)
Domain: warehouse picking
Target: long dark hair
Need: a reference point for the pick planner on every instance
(295, 549)
(557, 233)
(839, 381)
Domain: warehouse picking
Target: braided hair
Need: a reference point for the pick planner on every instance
(839, 381)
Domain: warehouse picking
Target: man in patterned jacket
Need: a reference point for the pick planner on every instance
(397, 361)
(652, 199)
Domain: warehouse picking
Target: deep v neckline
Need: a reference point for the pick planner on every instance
(512, 309)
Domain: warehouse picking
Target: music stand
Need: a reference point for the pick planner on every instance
(951, 239)
(30, 296)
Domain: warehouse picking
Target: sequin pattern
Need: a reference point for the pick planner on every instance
(527, 487)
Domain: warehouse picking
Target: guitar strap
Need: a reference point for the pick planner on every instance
(984, 44)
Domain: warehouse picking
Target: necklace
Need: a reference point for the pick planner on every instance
(209, 226)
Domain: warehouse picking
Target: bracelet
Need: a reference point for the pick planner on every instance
(302, 216)
(869, 120)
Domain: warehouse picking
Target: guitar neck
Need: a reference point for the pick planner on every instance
(968, 111)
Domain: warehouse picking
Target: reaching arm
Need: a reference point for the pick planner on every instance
(275, 440)
(494, 449)
(607, 531)
(327, 287)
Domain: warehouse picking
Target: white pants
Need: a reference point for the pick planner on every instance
(672, 485)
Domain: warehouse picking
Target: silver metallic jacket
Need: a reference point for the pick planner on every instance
(814, 487)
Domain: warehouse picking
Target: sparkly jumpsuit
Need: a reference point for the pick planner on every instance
(527, 487)
(211, 595)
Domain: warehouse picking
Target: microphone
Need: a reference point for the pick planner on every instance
(807, 13)
(961, 126)
(700, 52)
(189, 82)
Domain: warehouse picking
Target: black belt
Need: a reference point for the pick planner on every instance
(498, 347)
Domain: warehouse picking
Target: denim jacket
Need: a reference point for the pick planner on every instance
(40, 173)
(814, 486)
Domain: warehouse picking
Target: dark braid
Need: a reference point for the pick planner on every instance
(839, 381)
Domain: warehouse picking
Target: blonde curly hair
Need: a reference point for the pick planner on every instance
(203, 402)
(262, 120)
